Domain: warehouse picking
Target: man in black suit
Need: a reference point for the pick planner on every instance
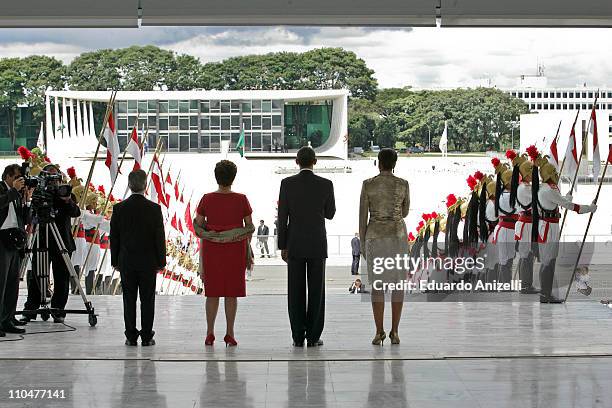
(305, 201)
(138, 251)
(262, 238)
(12, 223)
(66, 209)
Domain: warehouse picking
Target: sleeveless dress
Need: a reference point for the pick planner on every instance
(224, 264)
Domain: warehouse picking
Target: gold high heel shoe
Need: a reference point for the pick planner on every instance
(394, 338)
(379, 338)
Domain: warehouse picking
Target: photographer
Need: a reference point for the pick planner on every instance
(13, 217)
(64, 208)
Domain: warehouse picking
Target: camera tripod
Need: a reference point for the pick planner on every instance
(38, 249)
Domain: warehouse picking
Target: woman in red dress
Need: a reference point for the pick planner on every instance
(224, 223)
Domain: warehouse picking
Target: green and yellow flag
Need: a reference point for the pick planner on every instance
(240, 144)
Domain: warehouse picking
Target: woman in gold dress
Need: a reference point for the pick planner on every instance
(385, 200)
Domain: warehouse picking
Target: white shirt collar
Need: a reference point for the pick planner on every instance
(307, 169)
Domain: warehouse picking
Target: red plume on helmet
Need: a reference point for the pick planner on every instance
(434, 215)
(478, 175)
(495, 161)
(101, 189)
(450, 200)
(71, 172)
(111, 198)
(533, 153)
(421, 224)
(471, 181)
(510, 154)
(411, 237)
(425, 216)
(47, 159)
(24, 152)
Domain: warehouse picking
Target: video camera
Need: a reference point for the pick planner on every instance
(47, 187)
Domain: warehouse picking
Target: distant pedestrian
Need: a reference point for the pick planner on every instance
(356, 251)
(262, 239)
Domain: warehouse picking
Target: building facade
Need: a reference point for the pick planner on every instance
(273, 122)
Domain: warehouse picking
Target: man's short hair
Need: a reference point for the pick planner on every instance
(137, 181)
(225, 173)
(306, 157)
(10, 170)
(387, 158)
(261, 220)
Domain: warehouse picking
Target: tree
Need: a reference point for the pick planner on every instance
(11, 91)
(95, 71)
(385, 133)
(40, 72)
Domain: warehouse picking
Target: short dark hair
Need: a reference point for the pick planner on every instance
(10, 170)
(387, 158)
(261, 220)
(306, 156)
(225, 173)
(137, 181)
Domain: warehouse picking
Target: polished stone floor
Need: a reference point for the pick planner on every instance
(453, 354)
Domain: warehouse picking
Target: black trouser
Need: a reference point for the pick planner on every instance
(89, 282)
(61, 283)
(307, 319)
(355, 265)
(134, 282)
(9, 283)
(505, 272)
(547, 277)
(73, 282)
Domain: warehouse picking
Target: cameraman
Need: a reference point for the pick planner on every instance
(65, 209)
(13, 218)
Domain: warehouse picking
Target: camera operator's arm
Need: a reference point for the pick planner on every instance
(70, 206)
(12, 194)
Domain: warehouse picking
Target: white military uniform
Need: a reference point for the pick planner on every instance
(504, 231)
(91, 221)
(492, 255)
(522, 228)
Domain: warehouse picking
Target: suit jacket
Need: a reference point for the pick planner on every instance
(263, 231)
(137, 236)
(63, 219)
(305, 201)
(355, 246)
(8, 196)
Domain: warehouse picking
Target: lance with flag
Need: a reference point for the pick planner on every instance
(240, 144)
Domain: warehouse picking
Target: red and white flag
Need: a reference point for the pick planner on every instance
(188, 219)
(157, 192)
(571, 154)
(176, 190)
(596, 157)
(180, 226)
(173, 222)
(112, 148)
(133, 148)
(554, 155)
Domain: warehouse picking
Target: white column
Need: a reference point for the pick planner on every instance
(64, 119)
(85, 121)
(79, 121)
(92, 127)
(57, 122)
(73, 132)
(48, 117)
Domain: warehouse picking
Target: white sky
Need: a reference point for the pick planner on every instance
(420, 57)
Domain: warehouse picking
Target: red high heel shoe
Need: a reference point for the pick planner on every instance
(230, 341)
(210, 339)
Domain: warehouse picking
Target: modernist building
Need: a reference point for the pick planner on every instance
(273, 122)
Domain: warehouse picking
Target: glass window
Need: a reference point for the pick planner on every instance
(256, 141)
(266, 106)
(235, 121)
(205, 107)
(565, 106)
(571, 94)
(546, 94)
(132, 106)
(539, 94)
(184, 106)
(533, 94)
(164, 142)
(246, 106)
(193, 122)
(152, 120)
(571, 106)
(584, 94)
(215, 105)
(121, 107)
(142, 122)
(545, 106)
(558, 106)
(277, 104)
(152, 106)
(610, 106)
(173, 141)
(184, 123)
(225, 123)
(225, 106)
(225, 136)
(173, 121)
(247, 141)
(205, 142)
(609, 94)
(266, 141)
(122, 124)
(276, 138)
(256, 120)
(235, 106)
(215, 142)
(276, 120)
(193, 105)
(173, 106)
(193, 141)
(246, 123)
(520, 94)
(266, 123)
(256, 106)
(163, 106)
(184, 143)
(584, 106)
(539, 106)
(590, 94)
(565, 94)
(163, 123)
(215, 122)
(234, 139)
(205, 123)
(143, 107)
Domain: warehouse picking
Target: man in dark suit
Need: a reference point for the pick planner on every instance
(262, 237)
(66, 209)
(356, 250)
(138, 251)
(12, 223)
(305, 201)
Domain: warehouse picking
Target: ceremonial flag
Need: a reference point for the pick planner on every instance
(176, 190)
(168, 179)
(41, 139)
(571, 154)
(610, 155)
(240, 144)
(180, 226)
(444, 138)
(554, 155)
(596, 157)
(157, 192)
(112, 148)
(133, 148)
(181, 200)
(188, 219)
(173, 222)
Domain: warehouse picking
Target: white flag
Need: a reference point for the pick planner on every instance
(112, 148)
(443, 145)
(596, 157)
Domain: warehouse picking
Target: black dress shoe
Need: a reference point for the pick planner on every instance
(58, 319)
(131, 342)
(28, 317)
(9, 328)
(551, 299)
(315, 343)
(298, 343)
(529, 291)
(18, 322)
(2, 334)
(147, 343)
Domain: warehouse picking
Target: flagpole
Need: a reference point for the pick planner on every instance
(585, 141)
(127, 188)
(565, 156)
(109, 108)
(586, 231)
